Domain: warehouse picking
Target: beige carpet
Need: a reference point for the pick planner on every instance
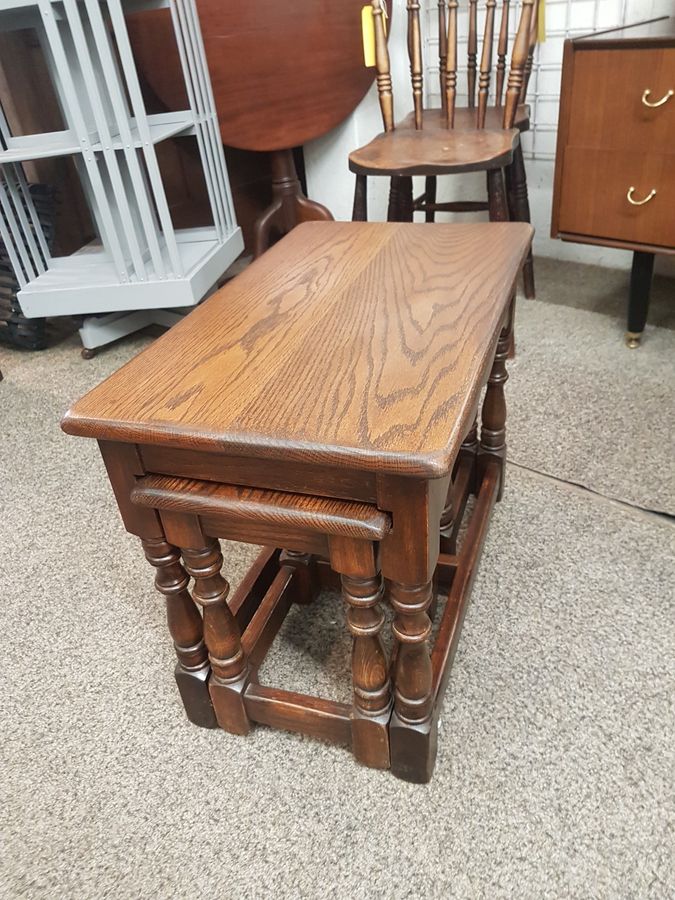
(556, 763)
(585, 408)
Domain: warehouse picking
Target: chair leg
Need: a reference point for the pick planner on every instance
(429, 197)
(519, 206)
(400, 199)
(360, 211)
(407, 203)
(497, 204)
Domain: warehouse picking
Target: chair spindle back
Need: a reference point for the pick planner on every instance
(486, 62)
(384, 89)
(518, 74)
(519, 56)
(534, 28)
(502, 50)
(472, 52)
(449, 71)
(442, 50)
(415, 56)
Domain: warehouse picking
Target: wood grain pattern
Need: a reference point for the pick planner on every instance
(424, 152)
(242, 504)
(406, 314)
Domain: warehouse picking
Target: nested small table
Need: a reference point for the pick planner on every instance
(323, 404)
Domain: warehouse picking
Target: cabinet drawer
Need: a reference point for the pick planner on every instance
(608, 111)
(594, 202)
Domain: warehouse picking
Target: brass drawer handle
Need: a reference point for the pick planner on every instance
(629, 197)
(666, 97)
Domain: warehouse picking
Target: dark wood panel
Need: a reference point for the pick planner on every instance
(278, 508)
(608, 112)
(264, 534)
(594, 200)
(320, 718)
(277, 475)
(282, 74)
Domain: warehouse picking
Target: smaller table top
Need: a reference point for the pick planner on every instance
(361, 345)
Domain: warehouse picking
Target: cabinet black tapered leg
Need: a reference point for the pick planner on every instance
(638, 301)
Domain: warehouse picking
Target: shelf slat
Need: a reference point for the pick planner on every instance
(52, 144)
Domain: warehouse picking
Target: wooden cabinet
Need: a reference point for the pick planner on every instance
(615, 162)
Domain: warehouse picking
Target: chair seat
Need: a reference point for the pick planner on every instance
(435, 151)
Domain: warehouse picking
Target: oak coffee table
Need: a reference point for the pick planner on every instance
(323, 405)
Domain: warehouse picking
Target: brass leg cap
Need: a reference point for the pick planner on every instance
(633, 339)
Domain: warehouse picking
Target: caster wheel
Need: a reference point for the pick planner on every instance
(87, 353)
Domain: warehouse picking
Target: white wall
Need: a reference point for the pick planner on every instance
(330, 182)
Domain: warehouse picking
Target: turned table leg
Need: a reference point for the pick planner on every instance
(228, 664)
(370, 672)
(362, 589)
(185, 626)
(493, 413)
(306, 583)
(413, 731)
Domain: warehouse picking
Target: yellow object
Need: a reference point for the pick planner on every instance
(368, 29)
(541, 22)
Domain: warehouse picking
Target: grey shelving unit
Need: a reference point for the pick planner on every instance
(139, 261)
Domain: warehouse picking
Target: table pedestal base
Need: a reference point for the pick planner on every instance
(289, 206)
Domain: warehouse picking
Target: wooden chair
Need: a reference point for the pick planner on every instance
(482, 136)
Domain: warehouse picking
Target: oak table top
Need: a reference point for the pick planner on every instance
(362, 345)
